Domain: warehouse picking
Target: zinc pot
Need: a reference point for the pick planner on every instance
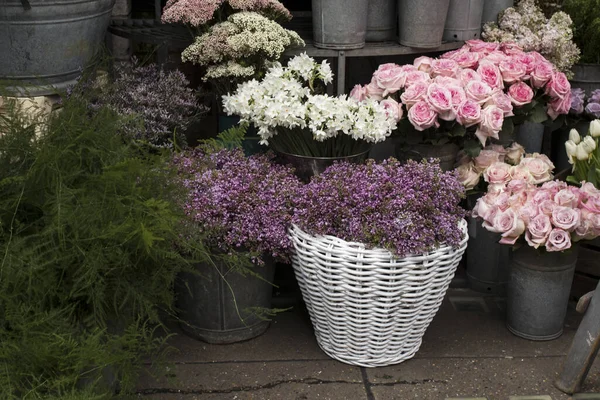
(381, 20)
(421, 22)
(586, 76)
(446, 153)
(530, 135)
(491, 9)
(339, 24)
(538, 292)
(306, 167)
(215, 304)
(45, 47)
(463, 21)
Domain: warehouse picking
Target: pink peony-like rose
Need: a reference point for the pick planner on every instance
(446, 81)
(468, 176)
(538, 230)
(467, 75)
(565, 218)
(414, 93)
(558, 240)
(540, 170)
(479, 91)
(490, 74)
(423, 63)
(497, 173)
(389, 77)
(521, 172)
(487, 158)
(528, 60)
(496, 57)
(468, 113)
(509, 225)
(520, 94)
(559, 106)
(492, 119)
(467, 60)
(541, 74)
(444, 67)
(374, 91)
(392, 108)
(479, 46)
(558, 86)
(514, 153)
(422, 116)
(416, 77)
(512, 70)
(359, 92)
(502, 101)
(458, 95)
(440, 100)
(510, 48)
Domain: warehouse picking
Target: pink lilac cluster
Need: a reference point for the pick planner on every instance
(498, 165)
(239, 202)
(406, 208)
(579, 106)
(552, 215)
(201, 12)
(477, 86)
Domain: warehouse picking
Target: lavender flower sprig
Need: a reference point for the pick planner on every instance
(407, 209)
(579, 106)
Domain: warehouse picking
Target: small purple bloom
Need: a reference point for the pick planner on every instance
(595, 97)
(593, 109)
(577, 100)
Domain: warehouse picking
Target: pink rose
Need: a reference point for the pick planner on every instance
(455, 53)
(538, 230)
(558, 86)
(423, 63)
(487, 158)
(516, 185)
(528, 60)
(509, 224)
(479, 91)
(554, 186)
(422, 116)
(502, 101)
(480, 46)
(490, 74)
(414, 94)
(539, 169)
(359, 92)
(558, 240)
(406, 68)
(468, 176)
(392, 108)
(485, 209)
(529, 211)
(547, 207)
(444, 67)
(497, 173)
(521, 173)
(541, 74)
(496, 57)
(559, 106)
(591, 204)
(446, 81)
(540, 196)
(374, 91)
(520, 94)
(510, 48)
(589, 189)
(565, 218)
(512, 70)
(440, 100)
(585, 231)
(467, 60)
(467, 75)
(492, 119)
(458, 95)
(514, 153)
(416, 77)
(390, 78)
(468, 113)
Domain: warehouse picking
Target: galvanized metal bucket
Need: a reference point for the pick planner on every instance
(421, 22)
(339, 24)
(446, 153)
(216, 305)
(586, 76)
(538, 292)
(530, 135)
(381, 21)
(463, 21)
(491, 9)
(45, 48)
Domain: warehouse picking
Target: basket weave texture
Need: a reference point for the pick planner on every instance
(367, 307)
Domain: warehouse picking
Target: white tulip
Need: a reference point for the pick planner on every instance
(574, 136)
(581, 152)
(595, 128)
(571, 149)
(591, 143)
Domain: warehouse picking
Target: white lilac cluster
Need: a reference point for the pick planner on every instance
(284, 99)
(527, 26)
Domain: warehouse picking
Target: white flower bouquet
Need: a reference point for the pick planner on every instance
(293, 116)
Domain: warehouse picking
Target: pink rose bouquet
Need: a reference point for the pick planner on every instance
(471, 94)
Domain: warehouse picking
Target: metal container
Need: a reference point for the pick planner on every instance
(446, 153)
(421, 22)
(586, 76)
(215, 305)
(339, 24)
(538, 292)
(306, 167)
(381, 20)
(463, 21)
(488, 269)
(530, 135)
(491, 9)
(45, 48)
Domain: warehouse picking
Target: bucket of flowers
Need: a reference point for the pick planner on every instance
(376, 246)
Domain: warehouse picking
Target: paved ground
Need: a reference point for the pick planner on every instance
(466, 353)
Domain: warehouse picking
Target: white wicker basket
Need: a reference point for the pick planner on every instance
(367, 307)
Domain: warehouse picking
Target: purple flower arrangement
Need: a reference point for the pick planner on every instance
(238, 202)
(406, 208)
(579, 106)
